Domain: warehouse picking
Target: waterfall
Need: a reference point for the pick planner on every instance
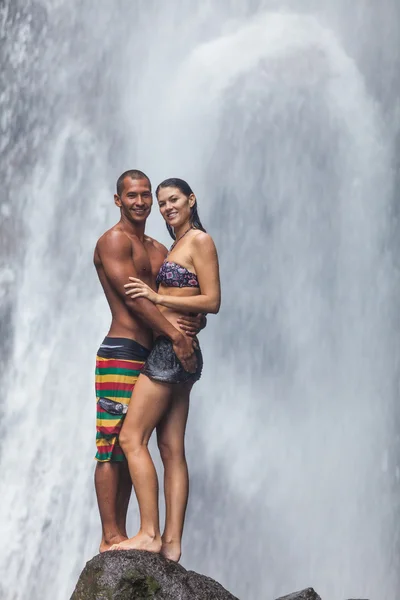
(278, 116)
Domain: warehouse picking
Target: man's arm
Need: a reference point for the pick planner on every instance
(192, 325)
(115, 251)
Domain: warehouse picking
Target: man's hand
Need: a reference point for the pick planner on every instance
(183, 348)
(192, 325)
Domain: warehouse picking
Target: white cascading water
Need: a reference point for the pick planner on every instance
(266, 111)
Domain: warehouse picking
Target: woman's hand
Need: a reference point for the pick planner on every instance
(139, 289)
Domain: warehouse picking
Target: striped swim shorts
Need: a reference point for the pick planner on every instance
(118, 365)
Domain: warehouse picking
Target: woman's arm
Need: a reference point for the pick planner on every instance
(205, 261)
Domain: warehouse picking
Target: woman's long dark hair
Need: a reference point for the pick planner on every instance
(185, 188)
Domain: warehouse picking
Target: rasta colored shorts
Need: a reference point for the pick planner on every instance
(119, 362)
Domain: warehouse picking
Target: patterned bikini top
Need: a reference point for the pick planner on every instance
(173, 275)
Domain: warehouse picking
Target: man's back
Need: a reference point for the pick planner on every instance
(117, 256)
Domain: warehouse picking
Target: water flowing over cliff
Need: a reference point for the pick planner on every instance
(284, 118)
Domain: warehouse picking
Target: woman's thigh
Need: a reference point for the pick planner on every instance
(150, 401)
(171, 429)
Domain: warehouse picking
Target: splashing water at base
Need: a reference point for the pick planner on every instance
(270, 119)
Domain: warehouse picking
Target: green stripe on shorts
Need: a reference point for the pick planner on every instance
(116, 371)
(114, 393)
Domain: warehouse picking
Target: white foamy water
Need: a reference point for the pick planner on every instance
(271, 117)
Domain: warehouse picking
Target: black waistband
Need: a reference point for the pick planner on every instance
(120, 348)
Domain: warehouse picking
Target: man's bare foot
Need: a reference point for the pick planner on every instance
(106, 543)
(171, 550)
(141, 541)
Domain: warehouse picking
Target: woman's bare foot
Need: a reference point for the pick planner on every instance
(171, 550)
(141, 541)
(106, 543)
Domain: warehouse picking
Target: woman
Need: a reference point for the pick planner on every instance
(188, 283)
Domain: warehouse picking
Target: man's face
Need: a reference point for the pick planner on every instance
(135, 200)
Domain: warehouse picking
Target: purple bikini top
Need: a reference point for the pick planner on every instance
(173, 275)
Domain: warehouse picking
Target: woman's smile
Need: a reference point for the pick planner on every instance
(172, 215)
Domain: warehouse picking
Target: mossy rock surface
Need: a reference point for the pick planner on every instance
(307, 594)
(137, 575)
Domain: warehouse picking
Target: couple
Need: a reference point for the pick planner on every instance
(150, 358)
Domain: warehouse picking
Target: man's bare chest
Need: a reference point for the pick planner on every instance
(147, 262)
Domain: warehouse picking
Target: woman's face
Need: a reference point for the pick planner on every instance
(175, 206)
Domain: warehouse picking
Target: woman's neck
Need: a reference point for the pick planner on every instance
(182, 229)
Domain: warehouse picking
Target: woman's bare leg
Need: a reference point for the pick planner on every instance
(149, 403)
(171, 442)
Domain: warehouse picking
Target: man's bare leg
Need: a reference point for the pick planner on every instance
(112, 498)
(149, 403)
(123, 497)
(171, 442)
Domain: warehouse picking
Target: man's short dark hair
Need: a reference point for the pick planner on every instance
(133, 174)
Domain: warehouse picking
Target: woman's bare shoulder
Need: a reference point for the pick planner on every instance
(202, 241)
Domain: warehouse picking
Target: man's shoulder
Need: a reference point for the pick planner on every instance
(157, 245)
(114, 239)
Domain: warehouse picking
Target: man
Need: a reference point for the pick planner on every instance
(121, 252)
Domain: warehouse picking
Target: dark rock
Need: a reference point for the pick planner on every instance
(138, 575)
(308, 594)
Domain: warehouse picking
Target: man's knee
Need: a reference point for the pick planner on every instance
(105, 467)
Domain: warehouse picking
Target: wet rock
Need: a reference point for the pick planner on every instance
(134, 575)
(307, 594)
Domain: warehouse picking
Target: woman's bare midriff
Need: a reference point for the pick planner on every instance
(169, 313)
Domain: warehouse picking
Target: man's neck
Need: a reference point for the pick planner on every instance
(130, 228)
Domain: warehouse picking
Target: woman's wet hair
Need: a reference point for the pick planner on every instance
(185, 189)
